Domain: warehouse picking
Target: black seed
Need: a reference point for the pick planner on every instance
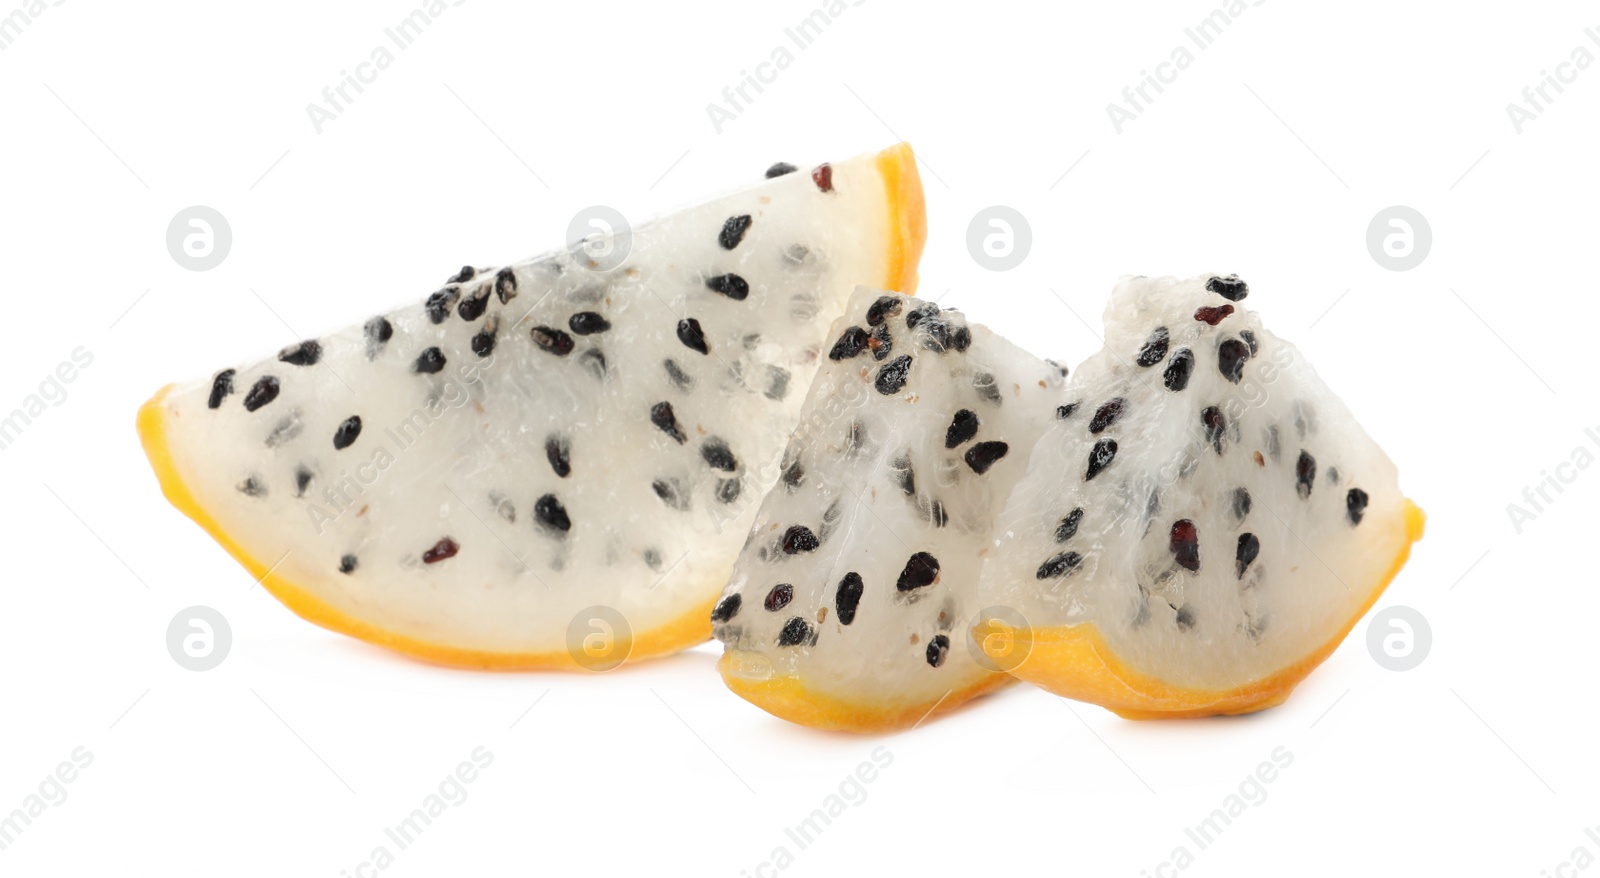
(1249, 548)
(730, 285)
(779, 597)
(252, 487)
(937, 515)
(733, 231)
(848, 597)
(881, 343)
(559, 452)
(652, 558)
(473, 306)
(799, 538)
(851, 343)
(287, 429)
(1305, 474)
(779, 169)
(588, 323)
(1184, 541)
(1249, 339)
(1176, 377)
(938, 334)
(985, 454)
(1231, 355)
(679, 378)
(961, 339)
(921, 570)
(963, 426)
(378, 331)
(1333, 475)
(715, 452)
(265, 390)
(671, 492)
(594, 363)
(902, 474)
(445, 548)
(1272, 442)
(348, 564)
(1215, 426)
(1065, 411)
(727, 608)
(793, 475)
(1210, 315)
(727, 490)
(306, 353)
(886, 306)
(917, 315)
(1155, 348)
(1305, 420)
(661, 415)
(892, 377)
(1107, 414)
(1355, 505)
(1230, 287)
(988, 389)
(429, 362)
(302, 480)
(1100, 457)
(857, 438)
(1185, 618)
(347, 432)
(938, 648)
(551, 340)
(1059, 565)
(692, 337)
(795, 632)
(439, 304)
(777, 383)
(1241, 503)
(466, 273)
(1068, 528)
(221, 386)
(483, 342)
(505, 285)
(548, 511)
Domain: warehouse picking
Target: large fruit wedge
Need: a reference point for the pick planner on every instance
(1204, 525)
(850, 604)
(549, 464)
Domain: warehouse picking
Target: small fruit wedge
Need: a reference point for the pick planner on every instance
(549, 464)
(1205, 525)
(850, 604)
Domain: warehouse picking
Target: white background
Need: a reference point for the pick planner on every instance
(1267, 157)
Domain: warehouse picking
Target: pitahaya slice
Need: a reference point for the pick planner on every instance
(459, 478)
(1206, 523)
(850, 604)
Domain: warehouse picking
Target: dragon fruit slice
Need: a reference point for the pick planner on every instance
(459, 478)
(1208, 523)
(850, 604)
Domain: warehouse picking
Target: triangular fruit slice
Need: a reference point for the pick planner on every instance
(1207, 522)
(552, 463)
(850, 604)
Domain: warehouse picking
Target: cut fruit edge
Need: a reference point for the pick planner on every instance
(908, 224)
(788, 697)
(1075, 661)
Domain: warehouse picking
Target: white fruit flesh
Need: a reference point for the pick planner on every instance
(463, 453)
(1277, 433)
(899, 485)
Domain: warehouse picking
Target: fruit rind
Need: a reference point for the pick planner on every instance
(1074, 661)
